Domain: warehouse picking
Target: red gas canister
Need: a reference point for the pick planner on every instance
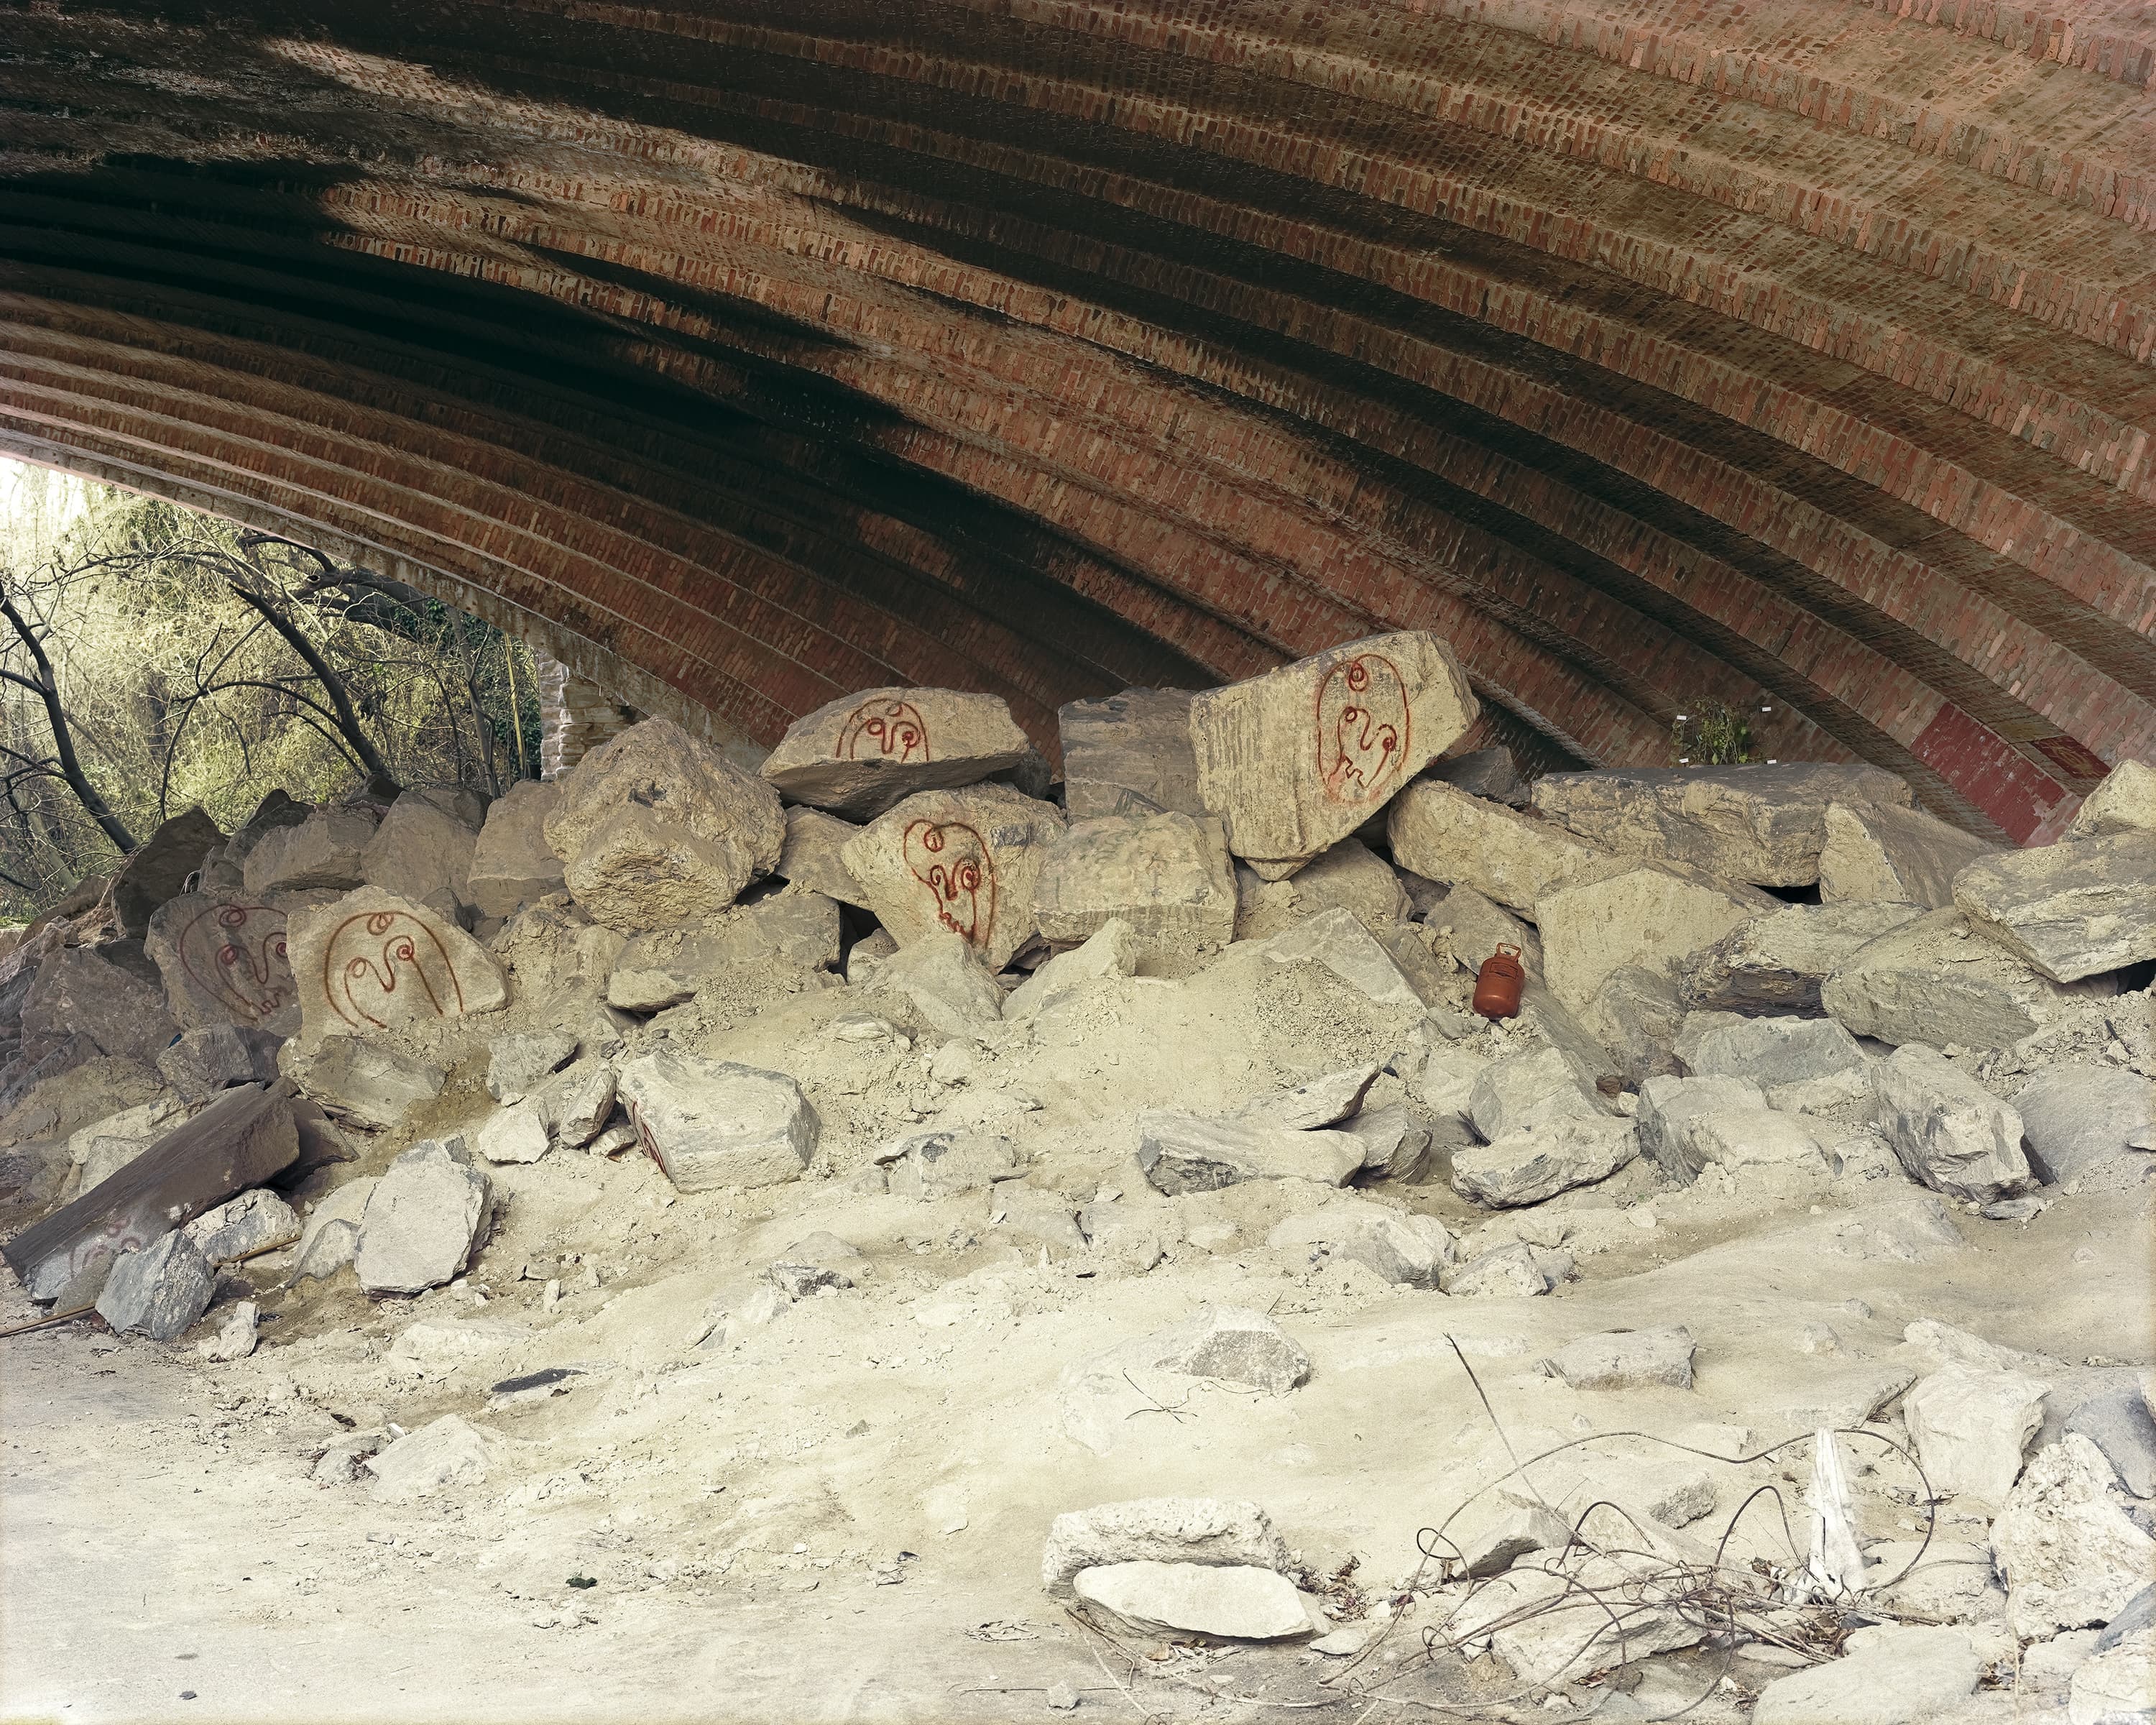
(1498, 983)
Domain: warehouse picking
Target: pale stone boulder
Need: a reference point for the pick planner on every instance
(1171, 1530)
(865, 753)
(963, 860)
(1528, 1089)
(655, 827)
(322, 850)
(447, 1452)
(1671, 1107)
(2070, 1554)
(1948, 1132)
(2116, 1683)
(941, 976)
(421, 851)
(1232, 1602)
(359, 1077)
(1473, 925)
(1971, 1429)
(812, 857)
(1294, 761)
(1321, 1102)
(1129, 754)
(370, 960)
(1443, 834)
(1165, 876)
(1771, 1051)
(159, 1290)
(516, 1064)
(1114, 950)
(928, 1166)
(1350, 876)
(2077, 1118)
(252, 1222)
(1635, 1016)
(2072, 910)
(1910, 1674)
(516, 1134)
(797, 932)
(1653, 915)
(422, 1220)
(1337, 940)
(1876, 854)
(1183, 1152)
(512, 864)
(1936, 980)
(2124, 803)
(1505, 1272)
(1764, 824)
(1539, 1162)
(1775, 964)
(1407, 1251)
(1737, 1138)
(711, 1123)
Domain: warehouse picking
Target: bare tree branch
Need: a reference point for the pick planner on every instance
(47, 689)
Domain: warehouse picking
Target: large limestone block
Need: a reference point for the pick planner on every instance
(1912, 1674)
(370, 960)
(1444, 833)
(422, 851)
(157, 869)
(1949, 1132)
(1774, 965)
(2071, 910)
(1774, 1051)
(1293, 761)
(323, 851)
(1935, 980)
(2124, 803)
(1129, 754)
(1539, 1162)
(1635, 1017)
(1167, 876)
(1971, 1427)
(363, 1079)
(1765, 825)
(712, 1123)
(655, 827)
(1653, 915)
(1350, 876)
(1183, 1152)
(1529, 1090)
(1875, 854)
(223, 963)
(2070, 1555)
(1670, 1108)
(423, 1218)
(965, 861)
(862, 753)
(512, 864)
(89, 991)
(797, 932)
(1489, 773)
(2076, 1118)
(812, 855)
(158, 1291)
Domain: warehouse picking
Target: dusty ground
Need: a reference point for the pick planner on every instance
(839, 1515)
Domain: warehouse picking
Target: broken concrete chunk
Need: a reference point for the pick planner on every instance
(2077, 1117)
(1948, 1132)
(931, 1165)
(1764, 824)
(1935, 980)
(865, 753)
(321, 850)
(1183, 1153)
(811, 859)
(370, 960)
(1294, 761)
(516, 1064)
(1971, 1427)
(1166, 877)
(1349, 877)
(1774, 965)
(214, 1057)
(511, 865)
(964, 861)
(2070, 1554)
(1172, 1530)
(1880, 853)
(1343, 946)
(252, 1222)
(1114, 950)
(159, 1290)
(1129, 754)
(711, 1123)
(1529, 1090)
(1233, 1602)
(447, 1452)
(655, 827)
(2124, 803)
(1538, 1161)
(1653, 915)
(422, 1220)
(1627, 1359)
(2071, 910)
(1445, 835)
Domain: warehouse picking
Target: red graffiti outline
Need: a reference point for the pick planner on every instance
(1355, 728)
(242, 979)
(382, 969)
(885, 723)
(973, 876)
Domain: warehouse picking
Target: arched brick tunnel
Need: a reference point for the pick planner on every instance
(1795, 353)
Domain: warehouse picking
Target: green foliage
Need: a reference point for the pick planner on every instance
(1711, 734)
(179, 692)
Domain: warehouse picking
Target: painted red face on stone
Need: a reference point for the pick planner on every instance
(237, 953)
(1362, 724)
(884, 731)
(381, 958)
(951, 861)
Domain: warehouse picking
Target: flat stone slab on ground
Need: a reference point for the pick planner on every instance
(1295, 759)
(865, 753)
(1523, 1091)
(1538, 1161)
(1339, 941)
(797, 930)
(368, 1081)
(1627, 1359)
(2072, 910)
(1184, 1152)
(966, 862)
(1231, 1602)
(1912, 1674)
(1771, 1051)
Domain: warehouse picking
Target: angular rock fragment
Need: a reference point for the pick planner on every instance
(865, 753)
(1395, 1144)
(1635, 1016)
(812, 858)
(1407, 1251)
(1129, 754)
(1113, 950)
(1764, 824)
(576, 1103)
(942, 977)
(1546, 1620)
(214, 1057)
(1753, 1138)
(159, 1290)
(710, 1123)
(422, 1220)
(321, 850)
(1529, 1090)
(252, 1222)
(933, 1165)
(1504, 1272)
(796, 931)
(2071, 910)
(232, 1339)
(361, 1079)
(1350, 876)
(156, 869)
(1879, 854)
(369, 960)
(1911, 1673)
(422, 851)
(654, 828)
(1444, 833)
(512, 864)
(1233, 1602)
(517, 1133)
(1538, 1161)
(1935, 980)
(94, 993)
(2121, 1425)
(447, 1452)
(1336, 940)
(1474, 927)
(1035, 1217)
(1098, 1398)
(964, 861)
(1486, 772)
(2076, 1118)
(2070, 1554)
(1514, 1534)
(1948, 1132)
(518, 1063)
(1627, 1359)
(2124, 803)
(1322, 1101)
(1773, 1051)
(1653, 915)
(1183, 1152)
(1294, 761)
(1172, 1530)
(2116, 1683)
(1970, 1428)
(1166, 877)
(1774, 965)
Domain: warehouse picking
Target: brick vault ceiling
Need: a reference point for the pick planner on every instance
(1793, 352)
